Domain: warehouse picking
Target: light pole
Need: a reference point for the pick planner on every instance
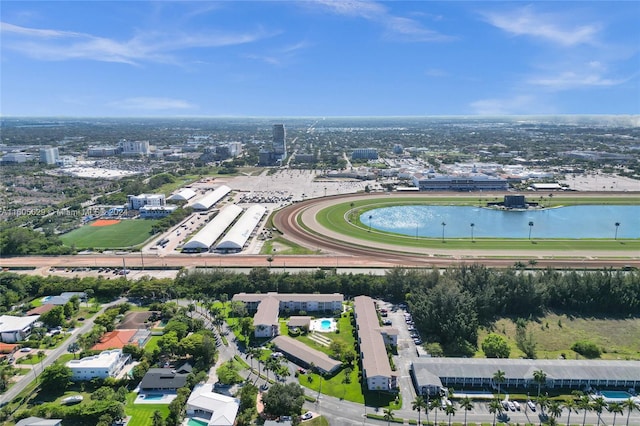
(530, 228)
(443, 225)
(617, 224)
(370, 222)
(472, 226)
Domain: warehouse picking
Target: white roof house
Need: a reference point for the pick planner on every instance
(13, 329)
(105, 364)
(213, 408)
(206, 202)
(238, 235)
(184, 195)
(208, 235)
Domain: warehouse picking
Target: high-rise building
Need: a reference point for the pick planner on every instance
(279, 141)
(49, 155)
(134, 147)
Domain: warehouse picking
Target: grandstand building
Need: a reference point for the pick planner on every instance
(235, 239)
(203, 241)
(427, 182)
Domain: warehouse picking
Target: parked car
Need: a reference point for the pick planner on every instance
(306, 416)
(531, 405)
(302, 371)
(511, 406)
(25, 350)
(505, 405)
(517, 405)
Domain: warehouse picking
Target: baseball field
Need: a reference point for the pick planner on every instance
(123, 234)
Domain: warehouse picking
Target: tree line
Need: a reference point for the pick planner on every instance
(448, 306)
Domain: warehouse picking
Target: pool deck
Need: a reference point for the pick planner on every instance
(316, 325)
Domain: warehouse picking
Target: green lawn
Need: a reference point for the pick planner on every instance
(141, 414)
(126, 234)
(152, 344)
(343, 218)
(283, 246)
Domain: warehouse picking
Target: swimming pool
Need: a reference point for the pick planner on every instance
(196, 422)
(153, 396)
(324, 325)
(45, 299)
(615, 394)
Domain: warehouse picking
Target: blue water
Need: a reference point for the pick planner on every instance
(564, 222)
(615, 394)
(153, 396)
(325, 324)
(45, 299)
(194, 422)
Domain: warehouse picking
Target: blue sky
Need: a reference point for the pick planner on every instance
(318, 58)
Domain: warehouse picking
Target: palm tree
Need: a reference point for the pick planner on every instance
(543, 402)
(443, 225)
(584, 403)
(539, 377)
(530, 227)
(418, 405)
(388, 415)
(598, 405)
(495, 407)
(450, 409)
(467, 405)
(570, 405)
(498, 377)
(615, 408)
(555, 409)
(435, 406)
(617, 224)
(630, 405)
(252, 352)
(472, 226)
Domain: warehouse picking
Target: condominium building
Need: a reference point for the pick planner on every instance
(49, 155)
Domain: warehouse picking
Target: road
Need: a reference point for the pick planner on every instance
(52, 356)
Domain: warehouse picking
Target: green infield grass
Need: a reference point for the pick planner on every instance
(126, 234)
(344, 219)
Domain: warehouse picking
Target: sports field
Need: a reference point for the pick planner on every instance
(125, 234)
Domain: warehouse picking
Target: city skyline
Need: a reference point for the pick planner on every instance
(319, 58)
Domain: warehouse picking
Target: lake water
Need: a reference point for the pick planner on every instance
(564, 222)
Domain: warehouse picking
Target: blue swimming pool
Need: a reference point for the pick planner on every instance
(326, 324)
(153, 396)
(196, 422)
(615, 394)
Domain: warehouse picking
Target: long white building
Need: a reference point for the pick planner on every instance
(184, 195)
(209, 200)
(238, 235)
(208, 235)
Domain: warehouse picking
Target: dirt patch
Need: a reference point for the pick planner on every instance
(134, 320)
(105, 222)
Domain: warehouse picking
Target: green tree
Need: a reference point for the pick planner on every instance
(435, 404)
(584, 403)
(539, 377)
(53, 318)
(570, 405)
(467, 405)
(418, 405)
(499, 378)
(599, 405)
(555, 409)
(283, 399)
(157, 419)
(388, 415)
(55, 378)
(615, 408)
(630, 404)
(587, 349)
(450, 410)
(495, 346)
(495, 408)
(168, 343)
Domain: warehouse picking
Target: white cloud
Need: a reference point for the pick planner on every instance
(521, 104)
(436, 72)
(592, 74)
(405, 29)
(54, 45)
(526, 22)
(151, 104)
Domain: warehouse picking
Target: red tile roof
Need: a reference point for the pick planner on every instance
(42, 309)
(115, 340)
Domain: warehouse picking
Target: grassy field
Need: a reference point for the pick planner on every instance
(126, 234)
(141, 414)
(152, 344)
(338, 218)
(556, 333)
(282, 246)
